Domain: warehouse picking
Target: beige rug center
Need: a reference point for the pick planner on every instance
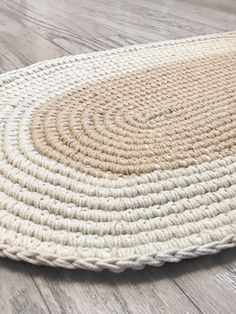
(166, 117)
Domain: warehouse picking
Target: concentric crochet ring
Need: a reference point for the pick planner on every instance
(120, 159)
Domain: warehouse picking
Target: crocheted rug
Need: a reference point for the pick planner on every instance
(120, 159)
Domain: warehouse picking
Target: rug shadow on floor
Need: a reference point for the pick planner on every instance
(225, 259)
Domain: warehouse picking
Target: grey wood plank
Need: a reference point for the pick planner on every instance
(204, 281)
(129, 292)
(148, 21)
(198, 12)
(65, 27)
(218, 5)
(10, 58)
(18, 292)
(119, 40)
(228, 261)
(57, 16)
(21, 45)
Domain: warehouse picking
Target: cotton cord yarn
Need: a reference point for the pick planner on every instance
(120, 159)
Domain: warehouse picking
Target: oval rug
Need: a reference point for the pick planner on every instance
(120, 159)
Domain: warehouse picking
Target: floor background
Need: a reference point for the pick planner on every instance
(34, 30)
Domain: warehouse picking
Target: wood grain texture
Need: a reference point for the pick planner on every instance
(35, 30)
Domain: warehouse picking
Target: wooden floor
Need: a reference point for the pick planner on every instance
(34, 30)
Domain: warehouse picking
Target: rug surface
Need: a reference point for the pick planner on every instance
(122, 158)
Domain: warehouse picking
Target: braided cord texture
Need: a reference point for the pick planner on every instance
(122, 158)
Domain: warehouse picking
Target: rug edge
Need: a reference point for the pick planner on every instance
(116, 265)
